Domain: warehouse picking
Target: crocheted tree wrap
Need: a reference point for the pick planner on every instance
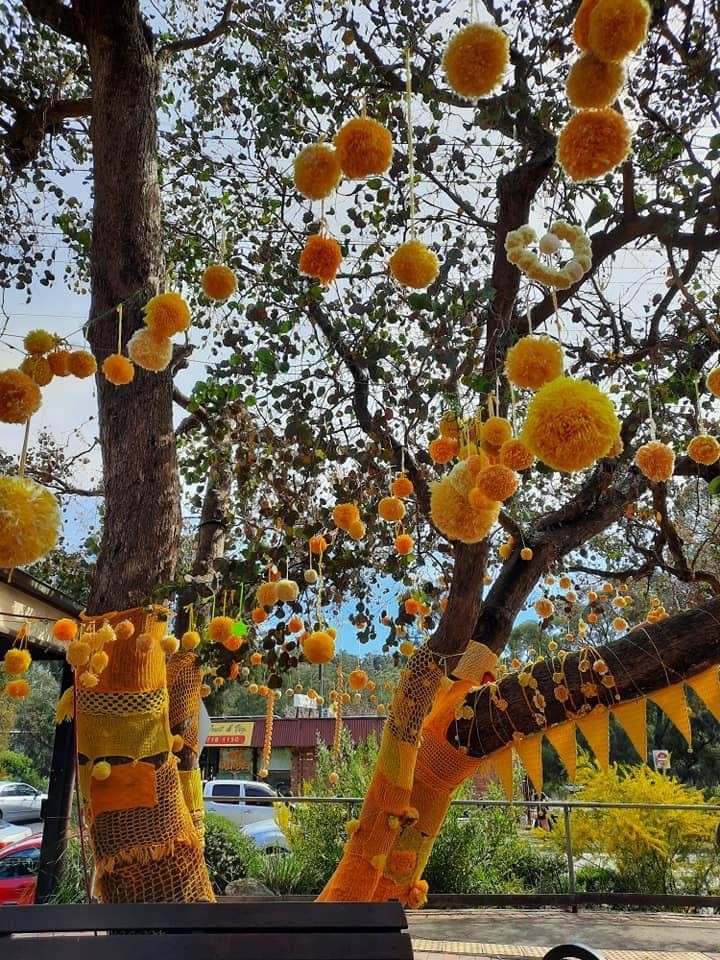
(144, 841)
(184, 677)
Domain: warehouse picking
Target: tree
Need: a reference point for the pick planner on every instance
(343, 385)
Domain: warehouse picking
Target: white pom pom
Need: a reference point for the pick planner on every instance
(549, 243)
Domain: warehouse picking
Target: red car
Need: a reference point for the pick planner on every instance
(18, 870)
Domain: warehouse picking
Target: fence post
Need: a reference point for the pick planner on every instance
(570, 861)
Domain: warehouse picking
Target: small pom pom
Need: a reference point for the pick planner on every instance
(65, 630)
(118, 370)
(169, 645)
(82, 364)
(344, 514)
(20, 396)
(220, 628)
(101, 770)
(219, 282)
(17, 689)
(78, 653)
(319, 647)
(391, 509)
(190, 640)
(592, 143)
(476, 59)
(414, 265)
(357, 530)
(317, 171)
(364, 148)
(16, 661)
(401, 486)
(99, 661)
(124, 630)
(39, 342)
(320, 258)
(144, 642)
(404, 544)
(59, 361)
(167, 314)
(38, 369)
(287, 591)
(150, 351)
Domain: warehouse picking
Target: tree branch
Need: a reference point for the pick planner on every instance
(192, 43)
(33, 122)
(56, 15)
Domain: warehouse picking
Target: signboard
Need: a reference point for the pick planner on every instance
(661, 759)
(203, 725)
(230, 733)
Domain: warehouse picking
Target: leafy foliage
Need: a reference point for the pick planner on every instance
(229, 853)
(16, 766)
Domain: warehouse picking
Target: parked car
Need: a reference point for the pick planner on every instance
(12, 833)
(242, 801)
(20, 802)
(267, 836)
(18, 870)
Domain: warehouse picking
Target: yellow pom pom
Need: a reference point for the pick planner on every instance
(618, 27)
(401, 486)
(99, 661)
(190, 640)
(712, 381)
(101, 770)
(619, 624)
(497, 482)
(413, 265)
(357, 530)
(391, 509)
(333, 777)
(220, 628)
(321, 258)
(453, 515)
(20, 396)
(344, 514)
(526, 553)
(407, 649)
(534, 361)
(443, 449)
(82, 364)
(177, 741)
(703, 449)
(319, 647)
(219, 282)
(581, 26)
(65, 630)
(544, 608)
(29, 521)
(124, 630)
(592, 143)
(263, 773)
(404, 544)
(17, 689)
(78, 653)
(88, 680)
(59, 361)
(364, 148)
(167, 314)
(592, 84)
(476, 59)
(656, 461)
(570, 424)
(317, 171)
(496, 430)
(169, 645)
(16, 661)
(515, 455)
(150, 351)
(118, 370)
(38, 369)
(39, 342)
(266, 594)
(287, 591)
(144, 642)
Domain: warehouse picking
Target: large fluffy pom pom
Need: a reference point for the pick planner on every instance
(581, 26)
(593, 84)
(167, 314)
(656, 461)
(82, 364)
(150, 351)
(570, 424)
(317, 171)
(364, 148)
(16, 661)
(617, 27)
(29, 521)
(476, 59)
(454, 516)
(534, 361)
(592, 143)
(413, 265)
(219, 282)
(20, 396)
(118, 369)
(321, 258)
(319, 647)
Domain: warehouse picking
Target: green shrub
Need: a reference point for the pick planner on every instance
(538, 871)
(16, 766)
(229, 853)
(71, 887)
(283, 873)
(593, 879)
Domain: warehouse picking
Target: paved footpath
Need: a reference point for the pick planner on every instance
(527, 934)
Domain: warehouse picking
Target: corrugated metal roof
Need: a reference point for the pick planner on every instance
(304, 731)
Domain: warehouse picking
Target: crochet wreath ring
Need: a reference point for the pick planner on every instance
(517, 248)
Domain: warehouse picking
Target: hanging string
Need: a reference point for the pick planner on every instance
(512, 409)
(528, 310)
(698, 411)
(557, 315)
(651, 418)
(410, 150)
(363, 106)
(23, 454)
(120, 318)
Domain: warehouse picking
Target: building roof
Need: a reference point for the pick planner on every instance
(23, 599)
(301, 732)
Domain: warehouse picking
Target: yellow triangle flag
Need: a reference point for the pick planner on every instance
(632, 717)
(502, 761)
(707, 686)
(562, 738)
(529, 749)
(595, 727)
(672, 701)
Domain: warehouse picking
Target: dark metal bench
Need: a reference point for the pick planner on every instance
(572, 951)
(267, 930)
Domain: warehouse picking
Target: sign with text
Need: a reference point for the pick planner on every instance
(230, 733)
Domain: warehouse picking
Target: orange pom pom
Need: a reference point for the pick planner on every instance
(404, 544)
(167, 314)
(258, 615)
(497, 482)
(401, 486)
(592, 143)
(476, 59)
(256, 659)
(544, 608)
(712, 381)
(526, 553)
(618, 27)
(357, 530)
(496, 430)
(364, 148)
(414, 265)
(534, 361)
(321, 258)
(443, 449)
(220, 628)
(581, 27)
(39, 341)
(318, 544)
(656, 461)
(317, 171)
(344, 514)
(357, 679)
(20, 396)
(319, 647)
(118, 370)
(266, 594)
(294, 625)
(150, 351)
(592, 84)
(59, 362)
(17, 689)
(38, 369)
(219, 282)
(704, 449)
(514, 454)
(82, 364)
(391, 509)
(65, 630)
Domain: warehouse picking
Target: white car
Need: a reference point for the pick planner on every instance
(242, 801)
(267, 836)
(11, 833)
(20, 802)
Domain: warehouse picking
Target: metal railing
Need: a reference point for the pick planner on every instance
(573, 897)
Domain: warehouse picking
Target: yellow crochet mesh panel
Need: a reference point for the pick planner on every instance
(184, 881)
(132, 735)
(387, 803)
(99, 704)
(184, 681)
(192, 791)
